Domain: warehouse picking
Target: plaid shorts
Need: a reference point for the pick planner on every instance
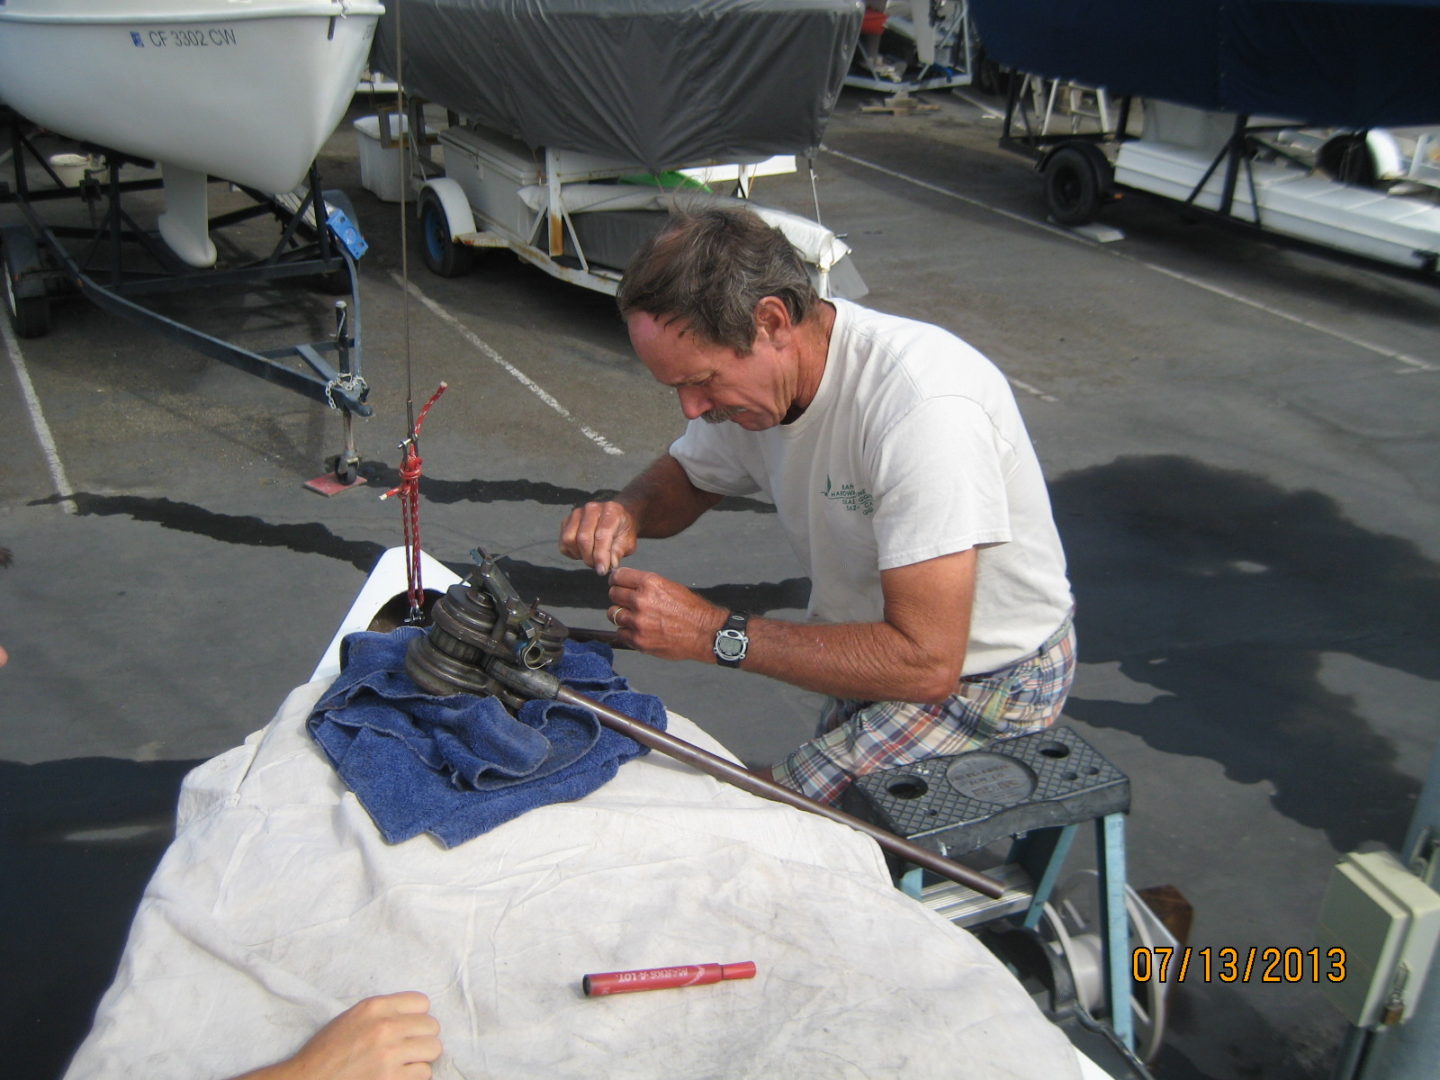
(859, 737)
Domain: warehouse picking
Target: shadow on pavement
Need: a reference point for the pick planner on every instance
(1226, 592)
(79, 839)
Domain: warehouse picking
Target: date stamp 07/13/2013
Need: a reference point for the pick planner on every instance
(1242, 964)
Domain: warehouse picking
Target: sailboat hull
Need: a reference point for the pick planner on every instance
(246, 91)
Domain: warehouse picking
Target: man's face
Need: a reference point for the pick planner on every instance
(714, 382)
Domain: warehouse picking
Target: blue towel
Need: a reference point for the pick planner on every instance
(458, 766)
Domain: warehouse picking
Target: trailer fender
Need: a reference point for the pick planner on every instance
(452, 198)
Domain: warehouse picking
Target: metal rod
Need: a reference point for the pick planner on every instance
(766, 788)
(542, 684)
(605, 637)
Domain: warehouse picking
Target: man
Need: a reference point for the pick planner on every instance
(903, 476)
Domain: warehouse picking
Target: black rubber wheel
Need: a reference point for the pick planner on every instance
(1347, 158)
(1075, 186)
(29, 315)
(441, 254)
(344, 471)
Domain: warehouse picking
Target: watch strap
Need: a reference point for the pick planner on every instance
(736, 640)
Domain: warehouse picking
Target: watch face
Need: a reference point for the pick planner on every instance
(730, 644)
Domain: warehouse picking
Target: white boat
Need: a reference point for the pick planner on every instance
(244, 90)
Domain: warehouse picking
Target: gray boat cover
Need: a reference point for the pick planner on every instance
(662, 83)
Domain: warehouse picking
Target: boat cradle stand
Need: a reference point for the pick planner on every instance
(1036, 790)
(118, 261)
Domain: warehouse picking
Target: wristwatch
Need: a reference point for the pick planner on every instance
(731, 641)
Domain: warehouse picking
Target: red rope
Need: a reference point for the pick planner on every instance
(409, 492)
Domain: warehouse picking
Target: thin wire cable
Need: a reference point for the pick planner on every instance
(406, 172)
(409, 487)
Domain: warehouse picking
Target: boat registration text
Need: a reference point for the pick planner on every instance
(203, 38)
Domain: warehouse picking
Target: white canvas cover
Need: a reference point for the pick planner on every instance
(278, 905)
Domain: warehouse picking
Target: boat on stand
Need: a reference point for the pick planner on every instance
(195, 91)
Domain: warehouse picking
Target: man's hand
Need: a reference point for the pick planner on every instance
(600, 534)
(658, 617)
(392, 1037)
(659, 502)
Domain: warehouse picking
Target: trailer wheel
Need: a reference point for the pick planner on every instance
(1347, 158)
(442, 255)
(29, 315)
(1075, 183)
(344, 471)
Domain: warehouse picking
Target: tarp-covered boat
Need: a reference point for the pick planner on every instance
(1341, 63)
(657, 82)
(1227, 86)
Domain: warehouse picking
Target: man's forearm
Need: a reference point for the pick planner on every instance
(915, 653)
(860, 661)
(663, 501)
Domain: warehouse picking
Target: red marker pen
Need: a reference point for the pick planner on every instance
(625, 982)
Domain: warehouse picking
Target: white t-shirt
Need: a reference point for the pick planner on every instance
(913, 448)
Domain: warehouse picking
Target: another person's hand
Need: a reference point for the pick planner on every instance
(392, 1037)
(659, 617)
(600, 534)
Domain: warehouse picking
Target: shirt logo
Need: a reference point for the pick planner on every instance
(849, 498)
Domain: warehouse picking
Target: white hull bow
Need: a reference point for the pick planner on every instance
(245, 90)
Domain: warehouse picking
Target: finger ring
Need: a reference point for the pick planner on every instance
(614, 614)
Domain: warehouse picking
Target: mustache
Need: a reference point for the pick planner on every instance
(720, 415)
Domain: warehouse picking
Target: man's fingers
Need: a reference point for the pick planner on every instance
(624, 583)
(570, 534)
(614, 537)
(578, 534)
(599, 534)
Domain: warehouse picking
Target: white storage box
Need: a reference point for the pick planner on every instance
(492, 169)
(382, 163)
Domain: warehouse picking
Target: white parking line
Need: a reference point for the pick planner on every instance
(1412, 364)
(37, 418)
(530, 384)
(1033, 391)
(989, 111)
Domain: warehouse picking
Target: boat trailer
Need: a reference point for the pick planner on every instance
(116, 263)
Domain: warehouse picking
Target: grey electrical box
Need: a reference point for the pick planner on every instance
(1378, 929)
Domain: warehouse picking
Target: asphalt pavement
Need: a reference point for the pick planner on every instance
(1240, 439)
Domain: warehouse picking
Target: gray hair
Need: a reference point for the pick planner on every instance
(710, 268)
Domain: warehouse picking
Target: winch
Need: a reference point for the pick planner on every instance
(477, 623)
